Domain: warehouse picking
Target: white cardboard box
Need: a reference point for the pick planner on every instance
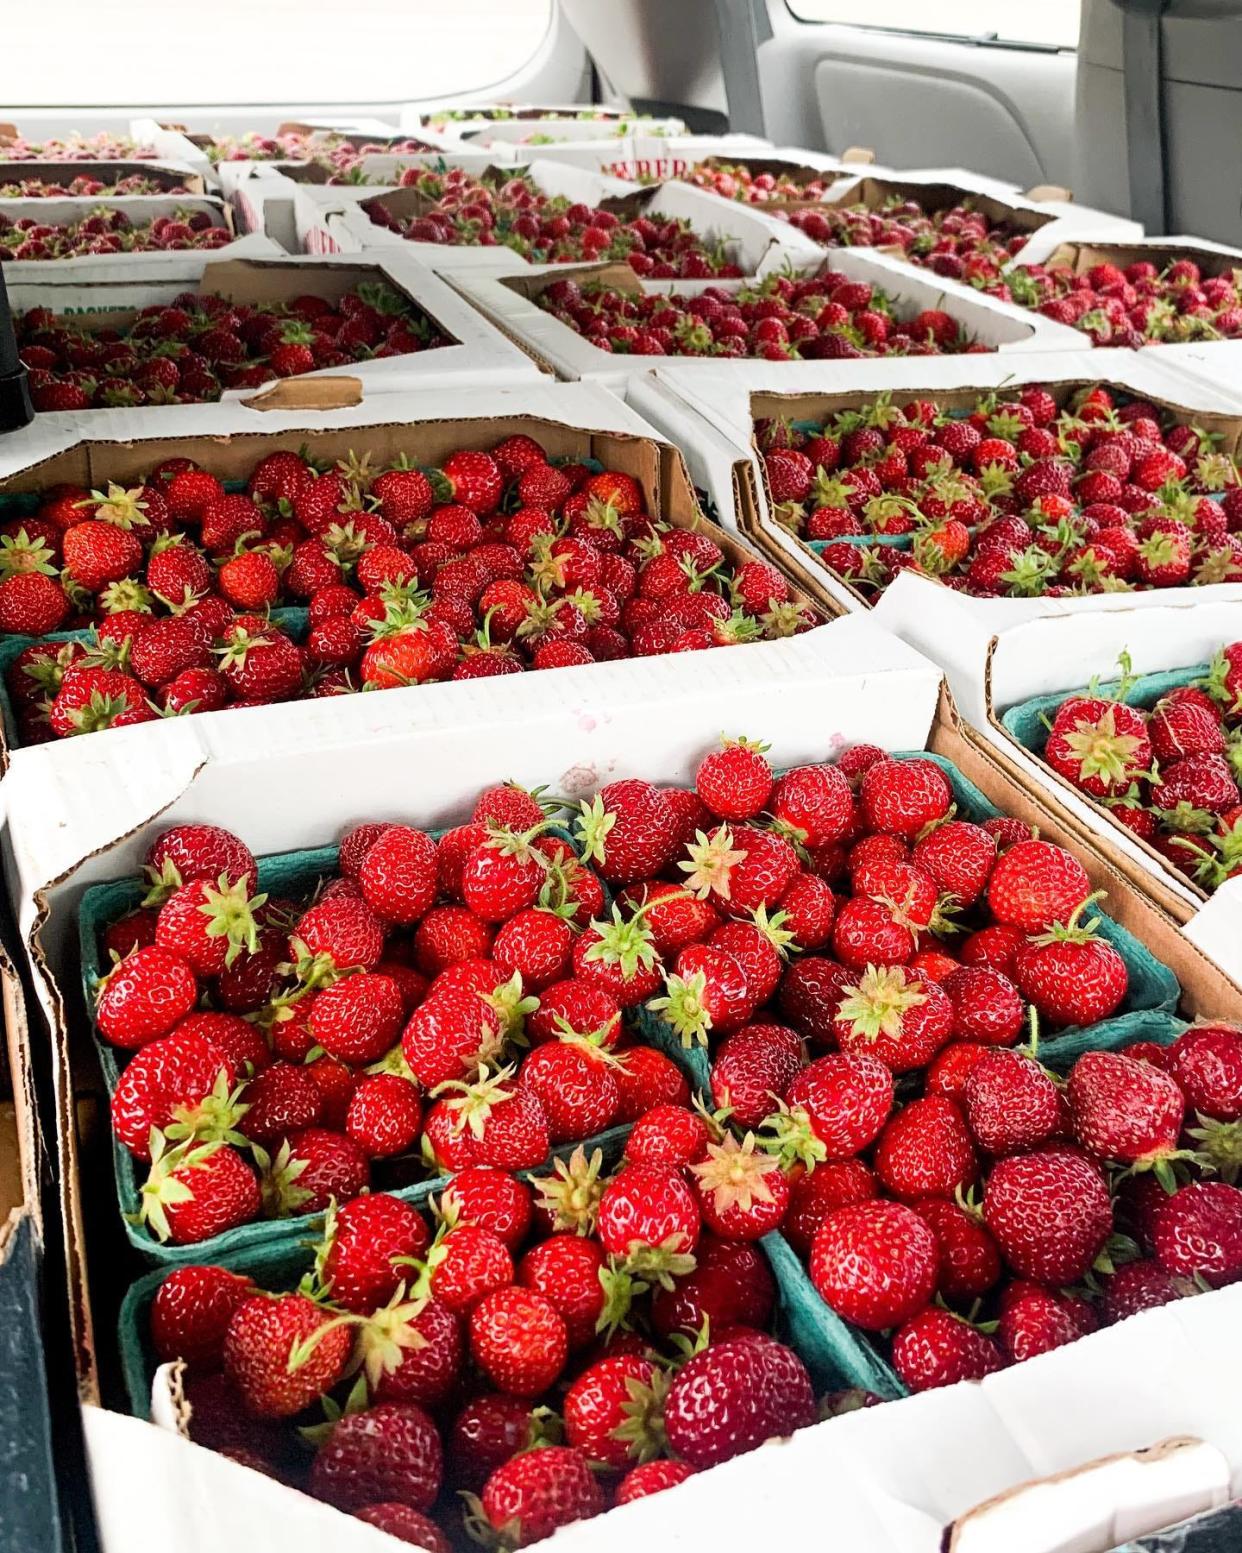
(477, 349)
(508, 299)
(755, 240)
(1060, 654)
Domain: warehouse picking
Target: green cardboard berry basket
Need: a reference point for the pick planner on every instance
(861, 1354)
(1027, 723)
(288, 873)
(800, 1318)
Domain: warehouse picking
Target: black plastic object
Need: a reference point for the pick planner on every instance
(16, 409)
(1142, 45)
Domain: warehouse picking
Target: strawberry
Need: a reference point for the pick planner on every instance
(534, 1494)
(612, 1411)
(970, 1264)
(384, 1115)
(344, 930)
(1139, 1286)
(518, 1340)
(649, 1217)
(406, 1525)
(282, 1353)
(32, 604)
(209, 925)
(358, 1018)
(734, 1396)
(842, 1100)
(628, 831)
(448, 1035)
(505, 1124)
(651, 1477)
(490, 1198)
(742, 1194)
(937, 1348)
(1070, 974)
(875, 1263)
(1206, 1063)
(730, 1285)
(646, 1078)
(191, 1311)
(670, 1136)
(165, 1081)
(398, 874)
(490, 1430)
(740, 868)
(926, 1150)
(467, 1263)
(1100, 746)
(366, 1244)
(749, 1070)
(388, 1452)
(312, 1168)
(959, 857)
(1035, 1321)
(735, 781)
(1011, 1102)
(903, 797)
(896, 1016)
(537, 945)
(1036, 884)
(1198, 1233)
(144, 997)
(567, 1270)
(503, 875)
(1126, 1111)
(1049, 1213)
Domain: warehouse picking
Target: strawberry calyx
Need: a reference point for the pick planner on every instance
(231, 913)
(472, 1104)
(878, 1002)
(282, 1196)
(625, 942)
(213, 1119)
(163, 1188)
(570, 1195)
(735, 1175)
(791, 1139)
(512, 1005)
(21, 554)
(358, 1400)
(661, 1264)
(1072, 930)
(642, 1430)
(1219, 1150)
(594, 826)
(126, 596)
(710, 865)
(117, 505)
(684, 1007)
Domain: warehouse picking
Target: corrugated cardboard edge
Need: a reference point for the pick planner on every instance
(1150, 1455)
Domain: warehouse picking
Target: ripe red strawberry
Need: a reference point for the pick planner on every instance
(959, 857)
(388, 1452)
(970, 1264)
(1011, 1102)
(629, 831)
(731, 1285)
(1049, 1213)
(536, 1493)
(734, 1396)
(671, 1136)
(1071, 975)
(1035, 884)
(895, 1015)
(503, 875)
(735, 781)
(165, 1080)
(1206, 1062)
(474, 480)
(612, 1410)
(467, 1263)
(1035, 1321)
(210, 925)
(575, 1087)
(359, 1018)
(566, 1269)
(937, 1348)
(490, 1198)
(189, 852)
(813, 804)
(740, 868)
(926, 1150)
(844, 1099)
(1125, 1111)
(537, 944)
(743, 1194)
(903, 797)
(311, 1169)
(749, 1070)
(651, 1477)
(647, 1078)
(1198, 1233)
(818, 1192)
(346, 930)
(269, 1357)
(649, 1216)
(144, 997)
(505, 1124)
(32, 604)
(519, 1340)
(191, 1311)
(367, 1242)
(384, 1116)
(1138, 1286)
(875, 1263)
(398, 874)
(406, 1525)
(986, 1006)
(448, 1035)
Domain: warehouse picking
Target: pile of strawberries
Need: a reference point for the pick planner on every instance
(1019, 497)
(823, 317)
(872, 1100)
(437, 1003)
(513, 212)
(1129, 306)
(1169, 775)
(86, 187)
(530, 1363)
(191, 349)
(108, 231)
(736, 181)
(494, 563)
(957, 241)
(337, 154)
(77, 148)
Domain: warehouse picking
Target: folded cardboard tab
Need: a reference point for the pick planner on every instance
(307, 393)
